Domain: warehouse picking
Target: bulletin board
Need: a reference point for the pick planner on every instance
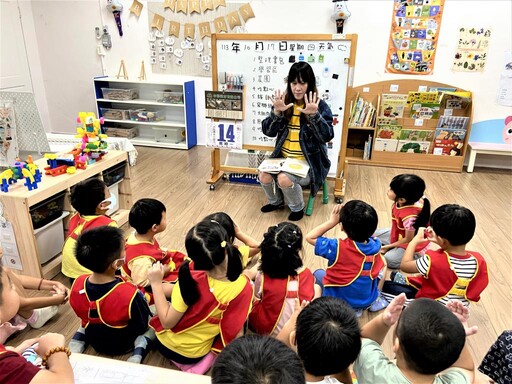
(264, 61)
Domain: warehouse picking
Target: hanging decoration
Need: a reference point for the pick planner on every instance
(136, 8)
(116, 8)
(472, 47)
(413, 38)
(340, 14)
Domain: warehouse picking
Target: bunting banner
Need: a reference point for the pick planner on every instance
(218, 3)
(207, 5)
(182, 6)
(136, 8)
(194, 6)
(220, 25)
(204, 29)
(171, 4)
(246, 12)
(174, 29)
(158, 22)
(190, 30)
(233, 19)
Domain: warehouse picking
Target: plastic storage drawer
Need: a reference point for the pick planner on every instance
(47, 210)
(120, 94)
(50, 238)
(114, 174)
(115, 114)
(144, 115)
(169, 135)
(169, 97)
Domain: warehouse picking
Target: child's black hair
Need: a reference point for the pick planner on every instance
(280, 249)
(99, 247)
(430, 336)
(359, 220)
(207, 245)
(255, 359)
(145, 213)
(86, 195)
(328, 336)
(225, 221)
(454, 223)
(412, 188)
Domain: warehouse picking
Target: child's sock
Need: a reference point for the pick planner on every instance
(40, 316)
(199, 368)
(32, 357)
(77, 343)
(142, 345)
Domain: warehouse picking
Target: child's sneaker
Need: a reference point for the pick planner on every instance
(378, 304)
(40, 316)
(398, 277)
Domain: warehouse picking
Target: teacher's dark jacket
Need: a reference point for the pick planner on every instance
(315, 132)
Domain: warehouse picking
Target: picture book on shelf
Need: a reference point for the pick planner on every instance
(289, 164)
(431, 97)
(367, 152)
(425, 110)
(455, 100)
(410, 146)
(453, 122)
(416, 135)
(393, 105)
(388, 131)
(362, 113)
(381, 120)
(450, 134)
(385, 145)
(448, 147)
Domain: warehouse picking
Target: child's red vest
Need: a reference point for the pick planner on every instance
(76, 220)
(113, 309)
(349, 263)
(267, 311)
(441, 279)
(398, 216)
(153, 251)
(233, 316)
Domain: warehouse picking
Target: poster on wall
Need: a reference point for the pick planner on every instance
(472, 47)
(8, 143)
(413, 38)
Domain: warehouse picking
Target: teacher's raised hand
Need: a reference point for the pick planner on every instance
(278, 100)
(312, 102)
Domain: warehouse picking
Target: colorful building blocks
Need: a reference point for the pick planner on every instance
(18, 171)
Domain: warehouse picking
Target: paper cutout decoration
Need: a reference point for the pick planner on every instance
(246, 12)
(220, 25)
(158, 22)
(136, 8)
(171, 4)
(206, 5)
(174, 29)
(190, 30)
(413, 37)
(218, 3)
(204, 29)
(472, 47)
(233, 19)
(194, 6)
(181, 6)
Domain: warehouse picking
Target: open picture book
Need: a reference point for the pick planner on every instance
(289, 164)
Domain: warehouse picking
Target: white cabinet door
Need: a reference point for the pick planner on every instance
(14, 70)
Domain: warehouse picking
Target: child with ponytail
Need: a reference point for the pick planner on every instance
(209, 304)
(410, 211)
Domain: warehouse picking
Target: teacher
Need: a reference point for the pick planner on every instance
(302, 123)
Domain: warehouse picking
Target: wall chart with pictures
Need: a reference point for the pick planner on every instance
(261, 64)
(472, 47)
(179, 33)
(413, 38)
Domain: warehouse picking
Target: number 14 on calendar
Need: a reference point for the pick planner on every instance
(224, 134)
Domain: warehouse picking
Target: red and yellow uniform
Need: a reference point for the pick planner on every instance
(212, 322)
(398, 216)
(78, 224)
(441, 280)
(268, 309)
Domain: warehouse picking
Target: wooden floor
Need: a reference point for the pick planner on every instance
(178, 179)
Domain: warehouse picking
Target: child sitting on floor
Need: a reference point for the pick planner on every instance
(148, 218)
(255, 359)
(429, 343)
(354, 263)
(209, 304)
(281, 279)
(451, 272)
(114, 314)
(14, 369)
(91, 199)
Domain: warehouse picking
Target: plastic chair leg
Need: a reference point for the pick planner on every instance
(309, 207)
(311, 200)
(325, 193)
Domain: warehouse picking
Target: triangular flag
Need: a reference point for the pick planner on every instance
(206, 5)
(204, 29)
(218, 3)
(171, 4)
(136, 8)
(174, 28)
(158, 22)
(194, 6)
(220, 25)
(181, 6)
(233, 19)
(190, 30)
(246, 12)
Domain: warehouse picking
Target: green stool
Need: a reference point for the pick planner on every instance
(325, 199)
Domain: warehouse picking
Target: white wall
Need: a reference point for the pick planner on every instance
(65, 36)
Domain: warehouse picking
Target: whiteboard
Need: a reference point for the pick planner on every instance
(264, 62)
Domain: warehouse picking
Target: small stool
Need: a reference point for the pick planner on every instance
(325, 199)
